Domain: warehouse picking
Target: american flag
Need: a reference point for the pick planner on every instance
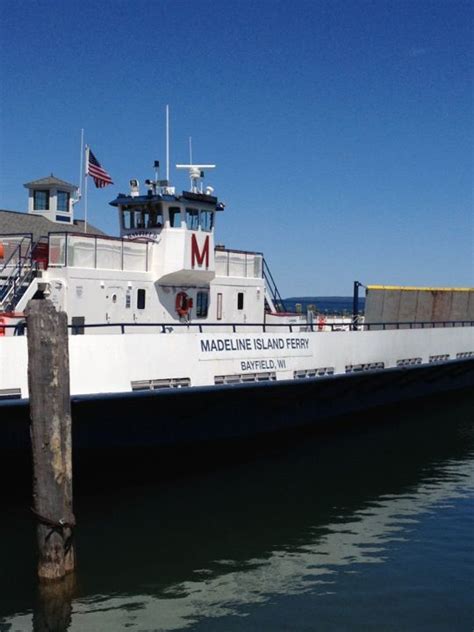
(96, 171)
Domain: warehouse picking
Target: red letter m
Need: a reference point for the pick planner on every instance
(196, 255)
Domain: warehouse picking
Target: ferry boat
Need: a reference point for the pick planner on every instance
(176, 339)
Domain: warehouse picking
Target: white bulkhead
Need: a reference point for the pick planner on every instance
(182, 233)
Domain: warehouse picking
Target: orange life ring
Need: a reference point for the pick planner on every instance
(321, 323)
(2, 251)
(183, 304)
(4, 320)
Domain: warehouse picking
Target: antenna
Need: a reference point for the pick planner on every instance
(196, 175)
(190, 150)
(168, 143)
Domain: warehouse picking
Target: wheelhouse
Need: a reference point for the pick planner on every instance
(151, 214)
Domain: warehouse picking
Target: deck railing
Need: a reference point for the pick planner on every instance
(93, 251)
(16, 269)
(168, 328)
(17, 250)
(238, 263)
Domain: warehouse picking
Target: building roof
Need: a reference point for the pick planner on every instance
(39, 226)
(50, 181)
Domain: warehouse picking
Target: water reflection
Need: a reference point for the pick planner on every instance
(169, 555)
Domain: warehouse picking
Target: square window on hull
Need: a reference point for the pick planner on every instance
(141, 299)
(202, 304)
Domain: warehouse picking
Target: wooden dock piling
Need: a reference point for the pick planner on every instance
(50, 415)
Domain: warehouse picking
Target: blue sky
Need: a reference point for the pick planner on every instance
(342, 131)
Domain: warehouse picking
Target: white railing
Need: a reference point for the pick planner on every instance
(16, 249)
(102, 253)
(237, 263)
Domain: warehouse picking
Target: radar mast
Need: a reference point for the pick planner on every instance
(196, 175)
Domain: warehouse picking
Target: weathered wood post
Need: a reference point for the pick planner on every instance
(53, 607)
(50, 429)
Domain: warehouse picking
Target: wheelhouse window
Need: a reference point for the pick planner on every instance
(41, 200)
(175, 216)
(63, 201)
(141, 299)
(240, 300)
(142, 218)
(128, 219)
(207, 220)
(156, 218)
(192, 218)
(202, 304)
(151, 218)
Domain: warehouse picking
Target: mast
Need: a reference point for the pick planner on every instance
(81, 164)
(168, 143)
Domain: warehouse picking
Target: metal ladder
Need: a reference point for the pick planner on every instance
(16, 274)
(276, 303)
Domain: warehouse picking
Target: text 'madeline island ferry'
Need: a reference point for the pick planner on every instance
(174, 338)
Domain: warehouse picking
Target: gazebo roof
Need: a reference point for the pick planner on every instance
(50, 182)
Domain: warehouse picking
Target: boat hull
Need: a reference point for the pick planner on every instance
(200, 415)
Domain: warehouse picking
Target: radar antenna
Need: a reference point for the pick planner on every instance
(196, 175)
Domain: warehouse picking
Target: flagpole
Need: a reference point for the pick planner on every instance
(86, 173)
(81, 163)
(168, 143)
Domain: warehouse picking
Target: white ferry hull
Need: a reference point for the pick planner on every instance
(107, 370)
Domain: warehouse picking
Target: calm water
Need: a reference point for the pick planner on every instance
(363, 529)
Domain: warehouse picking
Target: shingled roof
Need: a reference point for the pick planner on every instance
(39, 226)
(50, 181)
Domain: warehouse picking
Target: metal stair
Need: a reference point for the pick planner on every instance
(273, 299)
(16, 274)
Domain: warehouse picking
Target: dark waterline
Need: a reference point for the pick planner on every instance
(365, 528)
